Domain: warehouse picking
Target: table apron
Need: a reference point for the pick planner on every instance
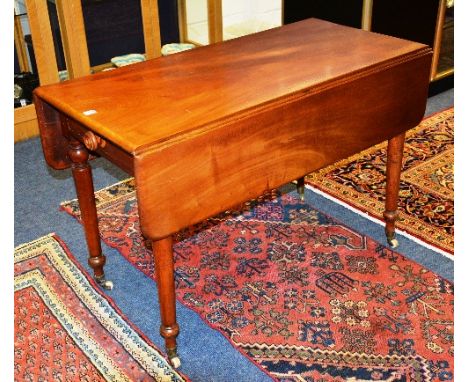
(106, 149)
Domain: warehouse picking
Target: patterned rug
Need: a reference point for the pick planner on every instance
(298, 293)
(426, 193)
(66, 330)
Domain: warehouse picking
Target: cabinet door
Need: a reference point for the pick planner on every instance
(412, 20)
(444, 45)
(344, 12)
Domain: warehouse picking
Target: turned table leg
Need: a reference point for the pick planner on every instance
(82, 176)
(164, 272)
(394, 162)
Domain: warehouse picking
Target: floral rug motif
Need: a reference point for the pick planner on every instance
(426, 206)
(298, 293)
(66, 330)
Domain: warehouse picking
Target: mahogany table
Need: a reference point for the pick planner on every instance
(209, 128)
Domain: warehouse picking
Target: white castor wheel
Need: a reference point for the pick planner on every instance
(175, 362)
(393, 242)
(173, 358)
(105, 284)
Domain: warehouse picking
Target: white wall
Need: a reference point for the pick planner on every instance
(240, 17)
(197, 21)
(237, 11)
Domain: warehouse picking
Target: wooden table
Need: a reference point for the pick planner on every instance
(207, 129)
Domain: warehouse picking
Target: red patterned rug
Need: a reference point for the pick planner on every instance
(426, 192)
(66, 330)
(300, 294)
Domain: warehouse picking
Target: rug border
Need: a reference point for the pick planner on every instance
(34, 278)
(111, 302)
(370, 215)
(101, 293)
(375, 219)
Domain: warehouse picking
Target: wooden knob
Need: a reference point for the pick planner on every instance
(92, 141)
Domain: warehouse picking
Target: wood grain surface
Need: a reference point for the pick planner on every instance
(151, 102)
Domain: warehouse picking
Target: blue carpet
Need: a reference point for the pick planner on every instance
(206, 354)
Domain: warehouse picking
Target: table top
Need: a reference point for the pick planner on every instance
(149, 103)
